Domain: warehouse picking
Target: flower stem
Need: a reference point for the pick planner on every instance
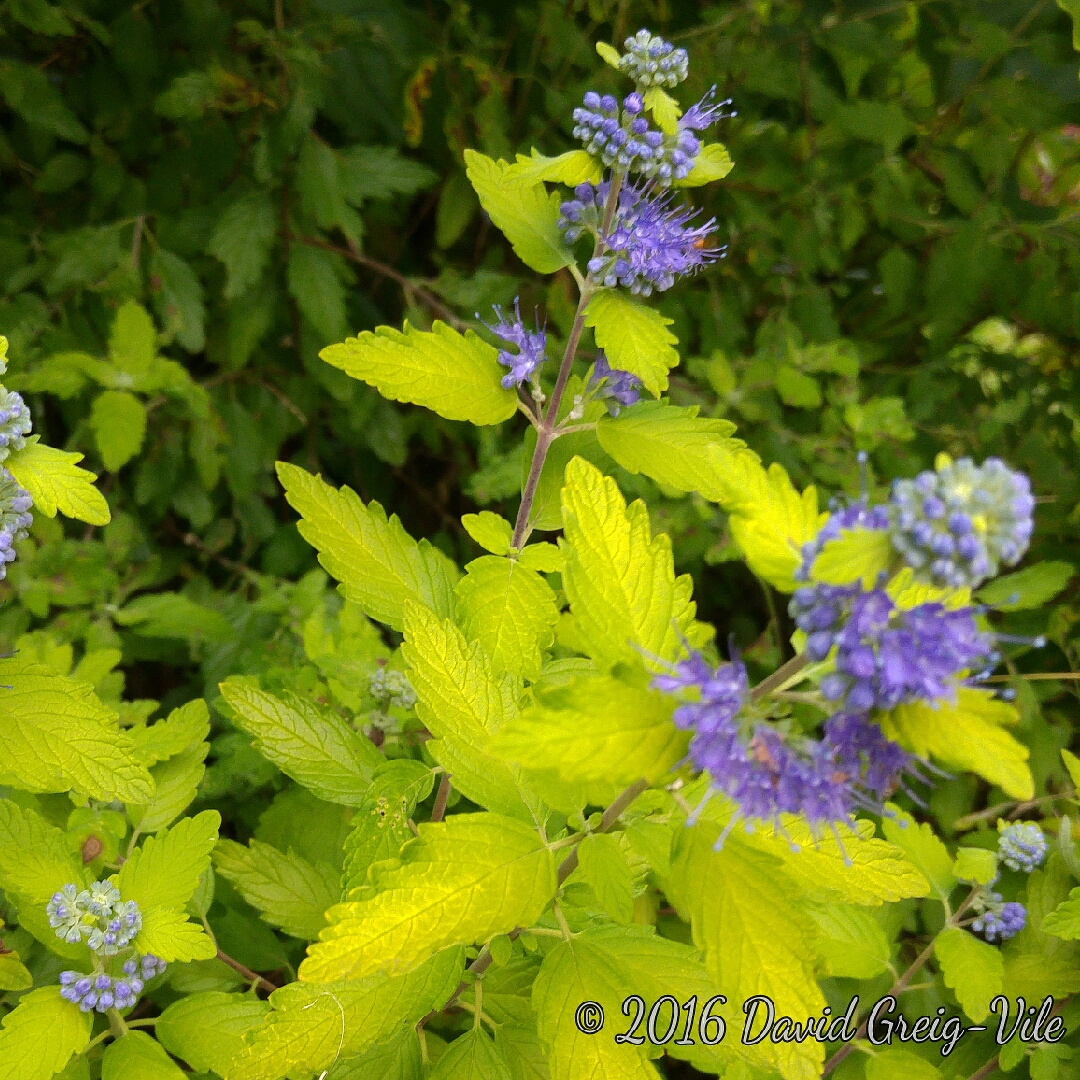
(438, 810)
(611, 815)
(780, 676)
(251, 976)
(116, 1024)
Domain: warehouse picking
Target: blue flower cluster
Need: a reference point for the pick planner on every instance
(1021, 845)
(15, 518)
(620, 388)
(999, 920)
(102, 991)
(531, 347)
(652, 61)
(392, 688)
(649, 244)
(96, 915)
(15, 423)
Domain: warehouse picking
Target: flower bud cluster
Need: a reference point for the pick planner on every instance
(15, 423)
(531, 347)
(652, 61)
(619, 388)
(1021, 845)
(15, 518)
(95, 915)
(392, 687)
(102, 991)
(997, 920)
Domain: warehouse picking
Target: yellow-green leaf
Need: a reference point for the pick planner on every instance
(713, 163)
(41, 1035)
(118, 419)
(13, 973)
(972, 969)
(171, 935)
(207, 1029)
(572, 168)
(664, 108)
(855, 555)
(635, 337)
(54, 482)
(165, 871)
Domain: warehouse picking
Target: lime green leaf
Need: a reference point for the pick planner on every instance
(1072, 763)
(1064, 920)
(924, 849)
(572, 168)
(13, 973)
(713, 163)
(314, 1026)
(41, 1034)
(242, 240)
(543, 557)
(316, 747)
(896, 1064)
(972, 969)
(620, 579)
(855, 555)
(379, 565)
(34, 857)
(455, 375)
(635, 338)
(597, 732)
(462, 702)
(206, 1030)
(975, 865)
(797, 389)
(522, 210)
(57, 735)
(54, 483)
(132, 339)
(472, 1056)
(510, 610)
(286, 890)
(491, 531)
(1028, 588)
(850, 941)
(609, 54)
(462, 881)
(176, 783)
(397, 1058)
(173, 615)
(138, 1057)
(967, 735)
(664, 108)
(607, 873)
(180, 730)
(165, 871)
(668, 444)
(172, 936)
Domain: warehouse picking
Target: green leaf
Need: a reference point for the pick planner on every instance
(13, 973)
(176, 782)
(968, 735)
(635, 338)
(119, 422)
(378, 172)
(398, 1058)
(206, 1030)
(664, 108)
(670, 445)
(1072, 8)
(850, 941)
(461, 882)
(40, 17)
(596, 732)
(797, 389)
(138, 1057)
(855, 555)
(54, 483)
(173, 615)
(510, 610)
(896, 1064)
(179, 731)
(170, 935)
(316, 286)
(712, 164)
(179, 301)
(607, 873)
(463, 703)
(29, 93)
(491, 531)
(41, 1034)
(314, 1026)
(619, 578)
(379, 565)
(522, 210)
(472, 1056)
(975, 865)
(35, 861)
(1028, 588)
(572, 168)
(242, 240)
(972, 969)
(608, 54)
(1064, 920)
(924, 849)
(165, 871)
(132, 339)
(1072, 764)
(57, 736)
(316, 747)
(455, 375)
(286, 890)
(543, 557)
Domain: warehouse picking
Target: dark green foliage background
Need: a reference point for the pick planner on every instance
(267, 178)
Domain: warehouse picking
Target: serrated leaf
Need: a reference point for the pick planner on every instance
(179, 301)
(165, 871)
(972, 969)
(850, 941)
(976, 865)
(378, 564)
(29, 93)
(606, 871)
(1072, 764)
(596, 732)
(176, 783)
(316, 286)
(924, 849)
(1064, 920)
(670, 445)
(462, 881)
(242, 240)
(132, 339)
(966, 735)
(181, 729)
(171, 935)
(35, 861)
(13, 973)
(173, 615)
(455, 375)
(206, 1030)
(855, 555)
(397, 1058)
(312, 1026)
(472, 1056)
(572, 168)
(491, 531)
(634, 337)
(543, 557)
(378, 172)
(1028, 588)
(712, 164)
(522, 210)
(138, 1057)
(619, 578)
(41, 1034)
(54, 483)
(119, 422)
(664, 108)
(610, 55)
(510, 610)
(316, 747)
(57, 736)
(286, 890)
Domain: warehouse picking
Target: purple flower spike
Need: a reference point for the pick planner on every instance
(620, 387)
(705, 113)
(530, 344)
